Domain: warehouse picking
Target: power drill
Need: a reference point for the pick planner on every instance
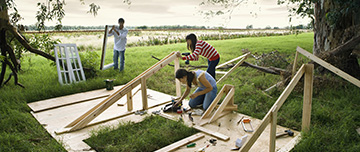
(186, 54)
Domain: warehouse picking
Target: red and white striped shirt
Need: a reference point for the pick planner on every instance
(204, 49)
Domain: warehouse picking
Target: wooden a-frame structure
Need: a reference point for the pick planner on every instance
(90, 115)
(306, 70)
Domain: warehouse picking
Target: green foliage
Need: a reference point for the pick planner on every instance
(43, 42)
(90, 63)
(153, 133)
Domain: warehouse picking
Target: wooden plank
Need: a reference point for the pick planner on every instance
(273, 131)
(221, 72)
(144, 94)
(103, 50)
(177, 82)
(233, 68)
(213, 133)
(181, 142)
(213, 104)
(98, 109)
(224, 103)
(238, 58)
(129, 101)
(329, 67)
(274, 108)
(307, 100)
(294, 64)
(206, 120)
(291, 144)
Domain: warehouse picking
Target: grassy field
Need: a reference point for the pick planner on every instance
(335, 112)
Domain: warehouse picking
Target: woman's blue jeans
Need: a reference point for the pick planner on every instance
(211, 67)
(205, 99)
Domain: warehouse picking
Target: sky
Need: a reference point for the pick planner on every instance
(166, 12)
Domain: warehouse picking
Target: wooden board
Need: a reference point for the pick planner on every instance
(181, 143)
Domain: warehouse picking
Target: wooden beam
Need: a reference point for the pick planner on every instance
(177, 82)
(213, 133)
(238, 58)
(273, 119)
(213, 104)
(294, 64)
(329, 67)
(307, 100)
(233, 68)
(274, 108)
(129, 101)
(222, 106)
(103, 50)
(182, 142)
(144, 94)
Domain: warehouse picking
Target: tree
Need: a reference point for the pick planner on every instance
(336, 26)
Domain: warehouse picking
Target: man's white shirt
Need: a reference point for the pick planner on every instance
(119, 40)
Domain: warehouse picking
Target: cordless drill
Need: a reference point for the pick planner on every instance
(186, 54)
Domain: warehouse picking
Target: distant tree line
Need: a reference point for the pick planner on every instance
(144, 27)
(102, 27)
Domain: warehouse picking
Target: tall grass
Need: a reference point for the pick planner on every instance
(335, 111)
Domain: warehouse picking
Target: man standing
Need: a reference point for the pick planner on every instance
(120, 34)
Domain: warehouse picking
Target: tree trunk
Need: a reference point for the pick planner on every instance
(327, 38)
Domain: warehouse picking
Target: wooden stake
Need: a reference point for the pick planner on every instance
(273, 130)
(129, 101)
(308, 89)
(177, 82)
(144, 93)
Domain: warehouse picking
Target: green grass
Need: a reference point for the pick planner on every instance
(153, 133)
(335, 108)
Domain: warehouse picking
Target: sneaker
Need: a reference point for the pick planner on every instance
(198, 112)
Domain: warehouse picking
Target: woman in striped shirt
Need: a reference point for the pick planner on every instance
(199, 47)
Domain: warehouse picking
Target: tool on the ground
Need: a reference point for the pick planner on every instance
(239, 120)
(156, 112)
(138, 112)
(247, 121)
(171, 107)
(202, 149)
(240, 142)
(186, 54)
(191, 118)
(286, 132)
(213, 141)
(109, 84)
(191, 145)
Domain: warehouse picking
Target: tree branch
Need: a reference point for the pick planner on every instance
(347, 46)
(23, 42)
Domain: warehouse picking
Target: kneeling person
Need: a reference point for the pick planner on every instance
(205, 92)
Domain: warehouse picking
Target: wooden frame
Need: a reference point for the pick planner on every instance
(86, 118)
(271, 116)
(307, 71)
(227, 103)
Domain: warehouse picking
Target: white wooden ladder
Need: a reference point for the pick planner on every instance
(68, 63)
